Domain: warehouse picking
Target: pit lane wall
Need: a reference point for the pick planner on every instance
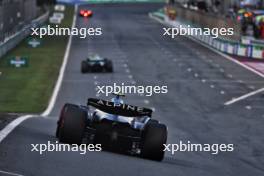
(236, 48)
(10, 42)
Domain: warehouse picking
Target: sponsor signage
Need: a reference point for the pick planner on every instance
(33, 42)
(56, 18)
(59, 7)
(18, 62)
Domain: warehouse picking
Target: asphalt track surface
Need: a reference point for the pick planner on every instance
(199, 83)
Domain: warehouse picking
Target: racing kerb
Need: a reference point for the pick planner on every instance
(250, 51)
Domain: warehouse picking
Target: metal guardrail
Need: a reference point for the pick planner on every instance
(15, 39)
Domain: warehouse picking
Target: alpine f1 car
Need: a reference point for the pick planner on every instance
(116, 126)
(86, 13)
(95, 63)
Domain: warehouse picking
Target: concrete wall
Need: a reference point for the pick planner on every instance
(1, 23)
(14, 14)
(30, 10)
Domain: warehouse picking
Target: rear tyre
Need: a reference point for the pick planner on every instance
(72, 124)
(109, 67)
(153, 121)
(154, 138)
(84, 67)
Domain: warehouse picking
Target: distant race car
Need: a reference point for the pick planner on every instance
(95, 63)
(245, 16)
(116, 126)
(86, 13)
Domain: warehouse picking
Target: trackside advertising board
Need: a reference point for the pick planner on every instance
(18, 62)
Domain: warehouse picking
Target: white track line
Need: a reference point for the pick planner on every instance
(62, 70)
(235, 100)
(9, 173)
(244, 97)
(228, 58)
(214, 50)
(11, 126)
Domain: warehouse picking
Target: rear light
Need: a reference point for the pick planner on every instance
(82, 12)
(85, 13)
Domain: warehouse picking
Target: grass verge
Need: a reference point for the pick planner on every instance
(28, 89)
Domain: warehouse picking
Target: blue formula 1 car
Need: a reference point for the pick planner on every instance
(116, 126)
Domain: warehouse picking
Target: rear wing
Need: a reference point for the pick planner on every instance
(119, 109)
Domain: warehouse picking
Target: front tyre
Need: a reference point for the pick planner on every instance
(154, 138)
(72, 124)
